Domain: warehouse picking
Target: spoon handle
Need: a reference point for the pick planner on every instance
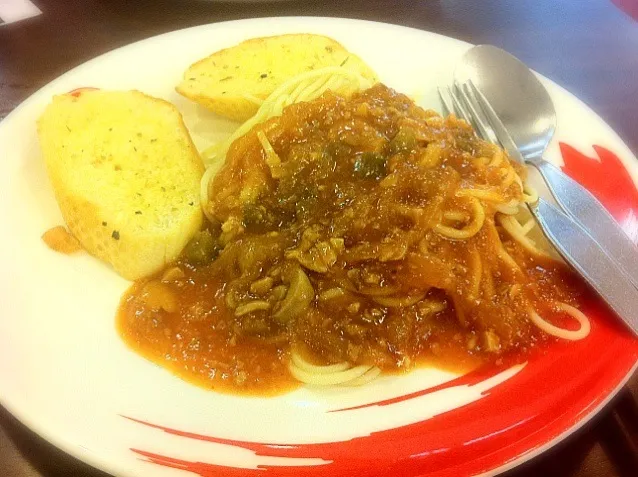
(583, 207)
(582, 252)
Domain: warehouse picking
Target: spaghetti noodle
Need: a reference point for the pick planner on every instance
(352, 233)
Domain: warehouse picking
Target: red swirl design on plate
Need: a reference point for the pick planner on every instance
(630, 7)
(562, 387)
(608, 180)
(470, 379)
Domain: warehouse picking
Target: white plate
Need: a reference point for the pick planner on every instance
(65, 373)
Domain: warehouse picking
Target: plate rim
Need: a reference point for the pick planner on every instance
(100, 461)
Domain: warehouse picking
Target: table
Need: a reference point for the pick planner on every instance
(589, 47)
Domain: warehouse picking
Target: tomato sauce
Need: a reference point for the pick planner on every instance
(363, 230)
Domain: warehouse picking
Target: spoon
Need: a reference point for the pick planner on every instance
(526, 111)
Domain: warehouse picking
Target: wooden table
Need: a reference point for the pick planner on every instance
(588, 46)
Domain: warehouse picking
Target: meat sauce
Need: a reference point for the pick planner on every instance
(349, 230)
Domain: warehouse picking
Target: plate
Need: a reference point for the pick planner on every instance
(66, 374)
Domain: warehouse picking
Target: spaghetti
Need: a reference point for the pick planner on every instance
(303, 87)
(352, 233)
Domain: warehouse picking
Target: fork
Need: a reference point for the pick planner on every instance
(574, 199)
(570, 239)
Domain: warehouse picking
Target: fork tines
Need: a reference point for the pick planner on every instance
(467, 102)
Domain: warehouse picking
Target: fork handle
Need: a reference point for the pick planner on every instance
(583, 207)
(582, 252)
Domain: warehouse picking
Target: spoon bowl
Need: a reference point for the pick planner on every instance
(516, 95)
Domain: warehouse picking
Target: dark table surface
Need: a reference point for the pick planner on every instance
(588, 46)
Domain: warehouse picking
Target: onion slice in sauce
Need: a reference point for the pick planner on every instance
(300, 294)
(398, 302)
